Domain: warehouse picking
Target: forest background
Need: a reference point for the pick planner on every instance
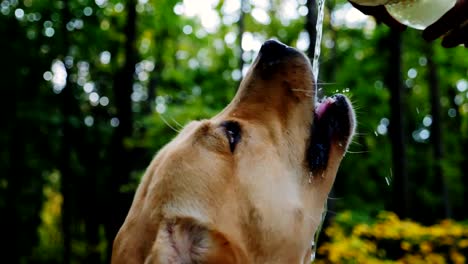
(92, 89)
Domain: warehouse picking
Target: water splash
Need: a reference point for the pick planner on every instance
(314, 244)
(388, 179)
(313, 248)
(318, 39)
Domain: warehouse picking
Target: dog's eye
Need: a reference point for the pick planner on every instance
(233, 133)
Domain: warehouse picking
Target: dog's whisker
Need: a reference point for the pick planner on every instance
(307, 93)
(357, 107)
(326, 83)
(314, 219)
(177, 123)
(357, 143)
(361, 134)
(334, 198)
(301, 90)
(168, 124)
(357, 152)
(331, 212)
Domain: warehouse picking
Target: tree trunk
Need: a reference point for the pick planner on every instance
(14, 176)
(66, 174)
(88, 145)
(464, 169)
(21, 138)
(459, 211)
(436, 135)
(241, 28)
(14, 171)
(90, 204)
(158, 68)
(148, 107)
(66, 144)
(310, 27)
(400, 202)
(121, 157)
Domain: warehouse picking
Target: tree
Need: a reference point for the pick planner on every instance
(400, 201)
(310, 26)
(121, 154)
(436, 136)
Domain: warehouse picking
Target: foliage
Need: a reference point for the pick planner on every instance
(388, 239)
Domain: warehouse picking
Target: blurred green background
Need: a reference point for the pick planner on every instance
(93, 88)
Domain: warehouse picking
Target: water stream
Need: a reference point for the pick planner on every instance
(315, 71)
(318, 41)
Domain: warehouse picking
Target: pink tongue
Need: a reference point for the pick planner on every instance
(323, 106)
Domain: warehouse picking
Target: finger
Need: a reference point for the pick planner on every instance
(456, 37)
(449, 20)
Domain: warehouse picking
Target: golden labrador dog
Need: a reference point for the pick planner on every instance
(248, 185)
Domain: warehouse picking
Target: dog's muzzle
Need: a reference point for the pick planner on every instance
(333, 124)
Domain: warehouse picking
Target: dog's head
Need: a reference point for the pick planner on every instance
(248, 185)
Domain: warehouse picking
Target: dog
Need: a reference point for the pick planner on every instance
(248, 185)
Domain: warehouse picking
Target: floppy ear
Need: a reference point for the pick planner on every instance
(184, 241)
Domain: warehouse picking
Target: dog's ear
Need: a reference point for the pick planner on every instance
(183, 241)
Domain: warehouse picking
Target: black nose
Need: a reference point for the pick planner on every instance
(273, 50)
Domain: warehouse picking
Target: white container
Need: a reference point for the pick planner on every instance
(418, 13)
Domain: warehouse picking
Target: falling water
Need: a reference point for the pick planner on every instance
(314, 244)
(318, 40)
(315, 71)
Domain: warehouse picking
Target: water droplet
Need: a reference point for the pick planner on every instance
(312, 251)
(388, 179)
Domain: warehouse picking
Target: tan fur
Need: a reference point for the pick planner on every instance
(200, 203)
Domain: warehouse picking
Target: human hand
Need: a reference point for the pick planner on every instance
(452, 26)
